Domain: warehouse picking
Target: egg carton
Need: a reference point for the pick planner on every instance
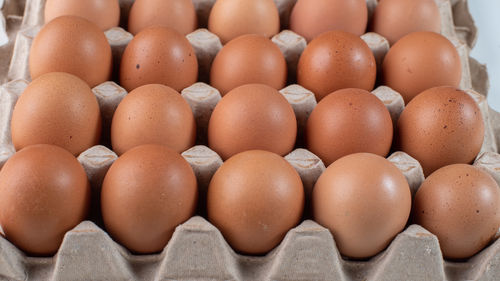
(197, 250)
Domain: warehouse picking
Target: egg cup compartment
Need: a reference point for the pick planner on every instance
(197, 250)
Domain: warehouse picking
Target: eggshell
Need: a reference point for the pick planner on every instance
(364, 200)
(73, 45)
(179, 15)
(460, 204)
(336, 60)
(103, 13)
(158, 55)
(349, 121)
(44, 192)
(153, 114)
(310, 18)
(57, 108)
(231, 18)
(441, 126)
(253, 116)
(419, 61)
(394, 19)
(254, 199)
(248, 59)
(146, 194)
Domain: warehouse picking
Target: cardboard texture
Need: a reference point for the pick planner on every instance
(197, 250)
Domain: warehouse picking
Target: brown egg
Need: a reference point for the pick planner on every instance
(146, 194)
(441, 126)
(248, 59)
(419, 61)
(254, 199)
(179, 15)
(73, 45)
(364, 200)
(394, 19)
(253, 116)
(158, 55)
(460, 204)
(349, 121)
(103, 13)
(310, 18)
(44, 192)
(336, 60)
(57, 108)
(153, 114)
(231, 18)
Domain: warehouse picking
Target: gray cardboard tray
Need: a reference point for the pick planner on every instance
(197, 250)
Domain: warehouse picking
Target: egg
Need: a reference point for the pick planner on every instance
(364, 200)
(253, 116)
(349, 121)
(419, 61)
(336, 60)
(310, 18)
(153, 114)
(460, 204)
(179, 15)
(231, 18)
(59, 109)
(146, 194)
(248, 59)
(73, 45)
(254, 199)
(44, 192)
(158, 55)
(439, 127)
(394, 19)
(104, 13)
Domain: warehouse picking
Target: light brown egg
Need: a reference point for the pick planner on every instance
(231, 18)
(349, 121)
(158, 55)
(146, 194)
(394, 19)
(57, 108)
(153, 114)
(254, 199)
(253, 116)
(179, 15)
(103, 13)
(460, 204)
(248, 59)
(365, 201)
(419, 61)
(336, 60)
(441, 126)
(44, 192)
(73, 45)
(310, 18)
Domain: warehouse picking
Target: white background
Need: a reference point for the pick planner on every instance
(486, 13)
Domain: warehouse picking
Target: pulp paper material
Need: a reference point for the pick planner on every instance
(197, 250)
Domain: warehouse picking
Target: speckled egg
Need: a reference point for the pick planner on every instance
(336, 60)
(460, 204)
(158, 55)
(439, 127)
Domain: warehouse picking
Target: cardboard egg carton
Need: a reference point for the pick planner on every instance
(197, 250)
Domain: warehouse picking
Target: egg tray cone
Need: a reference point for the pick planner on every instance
(197, 250)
